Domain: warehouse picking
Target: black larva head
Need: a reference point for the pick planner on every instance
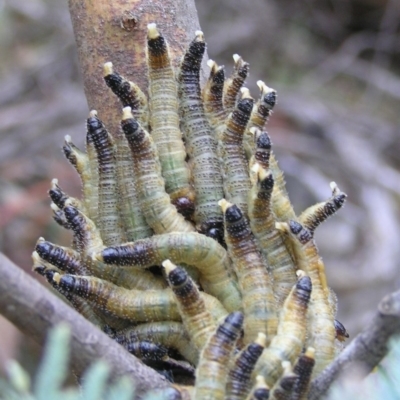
(263, 141)
(177, 276)
(261, 394)
(70, 156)
(304, 283)
(157, 46)
(219, 76)
(235, 319)
(70, 213)
(43, 249)
(233, 214)
(58, 197)
(184, 206)
(245, 105)
(40, 269)
(270, 99)
(49, 276)
(130, 126)
(67, 282)
(113, 81)
(93, 123)
(339, 200)
(111, 255)
(295, 227)
(268, 182)
(341, 332)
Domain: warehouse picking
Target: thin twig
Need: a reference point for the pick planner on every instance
(34, 309)
(367, 349)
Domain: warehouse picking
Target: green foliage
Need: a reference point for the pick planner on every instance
(382, 383)
(52, 372)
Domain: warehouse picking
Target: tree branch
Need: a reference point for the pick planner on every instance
(368, 348)
(34, 309)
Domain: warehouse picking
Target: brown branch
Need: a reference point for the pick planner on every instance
(367, 349)
(34, 309)
(116, 31)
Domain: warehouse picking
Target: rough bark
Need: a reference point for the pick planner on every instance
(34, 310)
(116, 31)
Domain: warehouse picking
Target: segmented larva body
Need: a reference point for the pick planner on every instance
(291, 333)
(108, 216)
(58, 197)
(192, 248)
(212, 371)
(303, 369)
(201, 145)
(166, 333)
(260, 390)
(235, 82)
(233, 160)
(155, 203)
(313, 216)
(195, 317)
(146, 350)
(165, 121)
(283, 388)
(239, 383)
(80, 161)
(255, 283)
(132, 305)
(271, 243)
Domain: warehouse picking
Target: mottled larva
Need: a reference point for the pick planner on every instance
(201, 145)
(169, 334)
(155, 203)
(292, 329)
(235, 82)
(230, 150)
(132, 305)
(255, 283)
(271, 243)
(239, 380)
(165, 121)
(212, 371)
(192, 248)
(313, 216)
(195, 317)
(108, 216)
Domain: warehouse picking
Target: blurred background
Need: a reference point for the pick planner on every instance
(336, 67)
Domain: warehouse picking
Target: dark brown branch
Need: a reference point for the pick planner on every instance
(367, 349)
(34, 309)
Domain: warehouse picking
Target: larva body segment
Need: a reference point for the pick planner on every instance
(166, 333)
(165, 122)
(146, 350)
(272, 245)
(313, 216)
(235, 82)
(212, 371)
(129, 94)
(155, 203)
(303, 369)
(192, 248)
(292, 328)
(254, 281)
(80, 161)
(195, 317)
(234, 163)
(132, 305)
(59, 217)
(86, 235)
(108, 214)
(58, 197)
(201, 145)
(283, 388)
(260, 390)
(238, 386)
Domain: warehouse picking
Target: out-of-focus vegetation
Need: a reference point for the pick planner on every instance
(336, 67)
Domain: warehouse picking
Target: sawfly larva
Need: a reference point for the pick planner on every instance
(132, 305)
(212, 371)
(169, 334)
(164, 118)
(239, 383)
(303, 369)
(195, 317)
(255, 283)
(59, 217)
(155, 203)
(235, 82)
(271, 243)
(313, 216)
(341, 332)
(288, 342)
(230, 149)
(201, 145)
(58, 197)
(108, 216)
(284, 386)
(192, 248)
(260, 390)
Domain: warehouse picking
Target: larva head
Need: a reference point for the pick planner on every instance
(64, 282)
(69, 150)
(266, 180)
(175, 276)
(217, 73)
(232, 326)
(130, 126)
(93, 123)
(268, 95)
(43, 248)
(261, 389)
(57, 196)
(112, 79)
(236, 225)
(192, 59)
(341, 332)
(213, 229)
(184, 205)
(146, 350)
(294, 228)
(156, 44)
(303, 289)
(245, 104)
(241, 66)
(262, 139)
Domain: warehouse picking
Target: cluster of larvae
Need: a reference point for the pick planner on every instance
(186, 248)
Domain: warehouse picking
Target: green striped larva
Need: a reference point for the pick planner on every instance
(212, 371)
(235, 82)
(238, 385)
(108, 216)
(206, 174)
(195, 317)
(165, 122)
(255, 283)
(192, 248)
(287, 344)
(155, 203)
